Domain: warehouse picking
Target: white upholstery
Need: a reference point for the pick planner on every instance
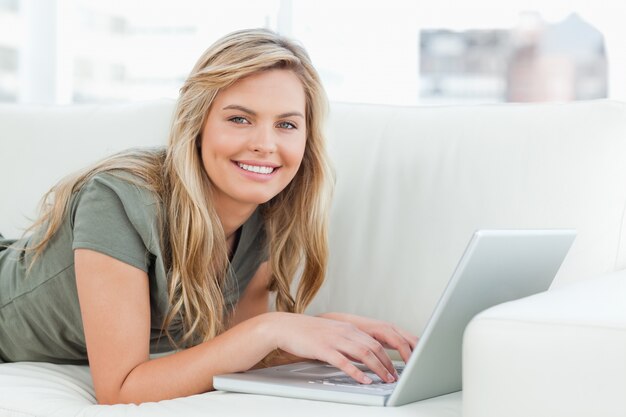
(560, 353)
(30, 389)
(413, 183)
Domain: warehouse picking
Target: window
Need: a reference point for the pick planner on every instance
(394, 52)
(534, 61)
(10, 43)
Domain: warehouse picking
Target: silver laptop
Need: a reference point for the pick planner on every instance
(497, 266)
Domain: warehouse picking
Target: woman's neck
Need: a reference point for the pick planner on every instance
(233, 216)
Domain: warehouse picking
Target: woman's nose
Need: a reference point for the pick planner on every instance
(263, 141)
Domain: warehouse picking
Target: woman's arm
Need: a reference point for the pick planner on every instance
(115, 307)
(255, 301)
(255, 298)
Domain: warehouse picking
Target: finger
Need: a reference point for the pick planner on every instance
(391, 338)
(378, 348)
(412, 339)
(366, 349)
(371, 354)
(408, 337)
(404, 349)
(339, 361)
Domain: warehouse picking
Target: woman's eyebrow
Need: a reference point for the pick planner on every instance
(291, 113)
(241, 108)
(253, 113)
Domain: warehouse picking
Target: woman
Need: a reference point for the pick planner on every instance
(178, 248)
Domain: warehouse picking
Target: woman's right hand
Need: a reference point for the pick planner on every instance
(334, 342)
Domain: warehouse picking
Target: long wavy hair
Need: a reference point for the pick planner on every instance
(193, 239)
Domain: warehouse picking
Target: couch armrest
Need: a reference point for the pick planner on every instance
(559, 353)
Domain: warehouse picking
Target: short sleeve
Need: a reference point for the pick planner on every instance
(101, 223)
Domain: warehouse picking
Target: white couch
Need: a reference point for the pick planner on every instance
(413, 183)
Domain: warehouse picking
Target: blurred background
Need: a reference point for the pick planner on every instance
(394, 51)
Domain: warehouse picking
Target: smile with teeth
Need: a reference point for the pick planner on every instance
(256, 169)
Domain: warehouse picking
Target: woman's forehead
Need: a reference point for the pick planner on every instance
(278, 90)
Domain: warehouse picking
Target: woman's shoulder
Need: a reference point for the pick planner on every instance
(123, 201)
(129, 187)
(121, 191)
(134, 174)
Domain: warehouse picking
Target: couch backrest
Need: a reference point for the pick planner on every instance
(39, 145)
(413, 183)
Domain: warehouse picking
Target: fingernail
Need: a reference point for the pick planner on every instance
(390, 378)
(367, 380)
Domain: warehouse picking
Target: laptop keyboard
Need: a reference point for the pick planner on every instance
(346, 381)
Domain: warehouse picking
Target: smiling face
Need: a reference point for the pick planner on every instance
(254, 138)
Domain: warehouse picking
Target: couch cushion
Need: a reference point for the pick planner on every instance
(560, 353)
(38, 389)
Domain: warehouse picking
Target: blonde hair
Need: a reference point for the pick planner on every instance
(193, 238)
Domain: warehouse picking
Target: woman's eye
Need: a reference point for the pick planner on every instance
(286, 125)
(239, 120)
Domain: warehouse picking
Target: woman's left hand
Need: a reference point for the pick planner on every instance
(387, 334)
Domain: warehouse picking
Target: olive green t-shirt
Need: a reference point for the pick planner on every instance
(40, 316)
